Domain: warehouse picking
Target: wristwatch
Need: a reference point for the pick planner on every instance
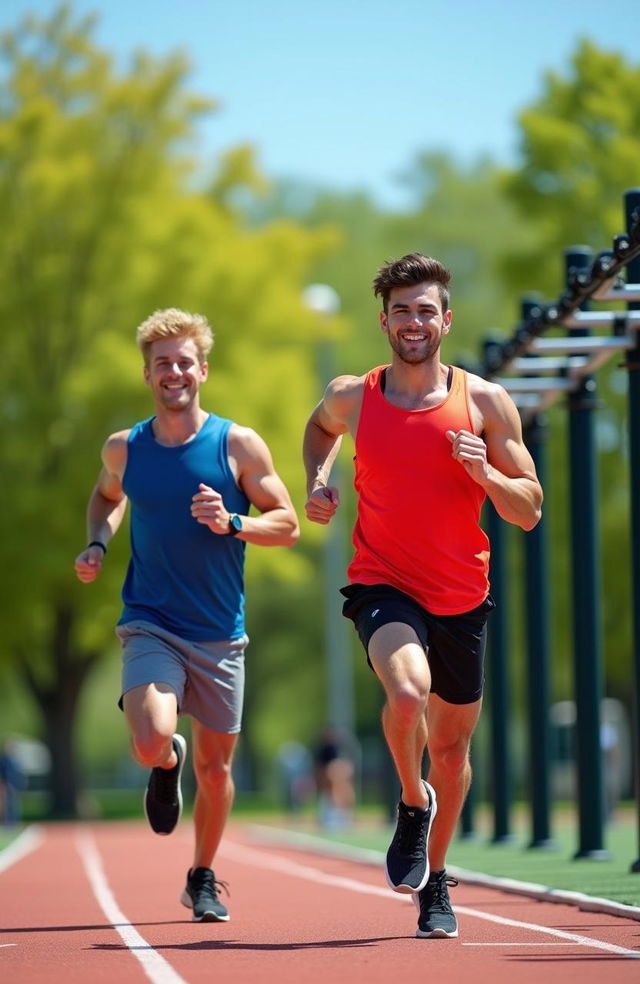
(235, 524)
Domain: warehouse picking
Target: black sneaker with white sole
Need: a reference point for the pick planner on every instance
(436, 918)
(163, 795)
(201, 895)
(407, 864)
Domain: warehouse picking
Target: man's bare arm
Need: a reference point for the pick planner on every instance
(499, 460)
(277, 524)
(107, 507)
(334, 416)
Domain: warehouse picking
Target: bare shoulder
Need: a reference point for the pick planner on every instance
(490, 400)
(246, 444)
(114, 452)
(343, 395)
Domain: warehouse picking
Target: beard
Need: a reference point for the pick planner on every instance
(414, 355)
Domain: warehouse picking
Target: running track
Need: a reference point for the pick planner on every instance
(94, 903)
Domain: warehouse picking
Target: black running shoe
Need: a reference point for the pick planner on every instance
(201, 895)
(407, 864)
(436, 918)
(163, 796)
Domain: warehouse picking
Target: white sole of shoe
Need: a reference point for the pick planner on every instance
(185, 899)
(435, 934)
(412, 889)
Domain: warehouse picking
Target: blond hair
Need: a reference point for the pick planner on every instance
(173, 323)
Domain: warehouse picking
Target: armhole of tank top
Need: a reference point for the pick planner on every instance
(224, 453)
(467, 401)
(136, 428)
(367, 392)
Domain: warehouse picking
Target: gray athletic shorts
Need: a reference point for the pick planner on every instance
(206, 677)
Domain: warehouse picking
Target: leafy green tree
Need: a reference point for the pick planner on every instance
(106, 219)
(580, 147)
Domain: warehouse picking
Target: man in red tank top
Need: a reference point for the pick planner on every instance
(431, 442)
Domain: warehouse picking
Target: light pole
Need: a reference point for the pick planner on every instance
(324, 301)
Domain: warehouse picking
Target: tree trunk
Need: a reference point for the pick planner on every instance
(59, 719)
(58, 699)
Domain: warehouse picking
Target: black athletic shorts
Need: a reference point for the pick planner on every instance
(454, 644)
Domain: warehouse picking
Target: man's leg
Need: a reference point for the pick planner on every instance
(450, 727)
(399, 660)
(151, 711)
(212, 758)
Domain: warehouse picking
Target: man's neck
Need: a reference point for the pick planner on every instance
(172, 428)
(418, 385)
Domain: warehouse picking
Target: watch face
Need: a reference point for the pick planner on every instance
(235, 524)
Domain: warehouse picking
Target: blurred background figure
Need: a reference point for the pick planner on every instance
(334, 772)
(295, 772)
(12, 782)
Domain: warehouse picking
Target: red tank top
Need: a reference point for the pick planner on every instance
(418, 519)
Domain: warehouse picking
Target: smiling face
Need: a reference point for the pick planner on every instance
(415, 322)
(174, 373)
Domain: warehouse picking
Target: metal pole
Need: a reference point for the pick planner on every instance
(498, 680)
(324, 301)
(538, 651)
(585, 565)
(537, 620)
(632, 202)
(467, 829)
(340, 699)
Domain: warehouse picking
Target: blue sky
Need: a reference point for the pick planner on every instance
(346, 93)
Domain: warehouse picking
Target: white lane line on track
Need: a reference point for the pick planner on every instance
(154, 965)
(251, 856)
(26, 842)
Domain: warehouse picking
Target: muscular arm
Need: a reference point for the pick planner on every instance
(107, 506)
(277, 524)
(332, 418)
(499, 460)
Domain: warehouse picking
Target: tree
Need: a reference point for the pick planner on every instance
(106, 219)
(579, 149)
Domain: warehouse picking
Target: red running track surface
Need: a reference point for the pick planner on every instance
(96, 903)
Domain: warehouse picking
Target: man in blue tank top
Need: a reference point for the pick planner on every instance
(190, 477)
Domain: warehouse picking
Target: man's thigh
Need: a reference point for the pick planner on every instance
(398, 659)
(393, 631)
(151, 707)
(153, 665)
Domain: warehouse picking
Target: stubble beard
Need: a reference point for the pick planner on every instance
(413, 356)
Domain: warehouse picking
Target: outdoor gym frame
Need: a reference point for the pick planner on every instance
(536, 371)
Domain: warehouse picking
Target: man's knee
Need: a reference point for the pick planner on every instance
(407, 702)
(213, 777)
(151, 747)
(451, 756)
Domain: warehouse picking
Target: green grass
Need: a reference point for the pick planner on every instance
(610, 879)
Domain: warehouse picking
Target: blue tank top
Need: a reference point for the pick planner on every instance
(182, 576)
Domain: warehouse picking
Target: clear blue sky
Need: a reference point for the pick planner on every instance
(345, 93)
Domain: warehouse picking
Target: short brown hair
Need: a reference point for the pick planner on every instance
(413, 268)
(173, 323)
